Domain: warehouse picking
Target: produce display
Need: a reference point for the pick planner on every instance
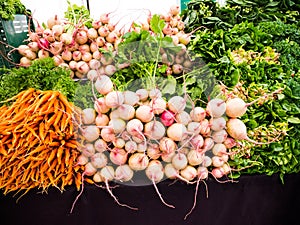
(178, 96)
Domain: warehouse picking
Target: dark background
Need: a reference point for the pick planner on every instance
(256, 199)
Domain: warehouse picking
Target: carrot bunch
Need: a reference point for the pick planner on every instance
(38, 146)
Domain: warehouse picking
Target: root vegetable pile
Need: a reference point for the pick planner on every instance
(38, 147)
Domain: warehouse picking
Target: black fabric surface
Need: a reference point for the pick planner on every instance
(257, 200)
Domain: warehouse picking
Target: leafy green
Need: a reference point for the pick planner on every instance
(8, 9)
(77, 15)
(41, 75)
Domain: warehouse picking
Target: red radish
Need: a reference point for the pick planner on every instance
(138, 161)
(104, 85)
(100, 105)
(131, 98)
(195, 157)
(99, 160)
(176, 104)
(216, 107)
(118, 156)
(100, 145)
(167, 118)
(179, 161)
(177, 131)
(183, 118)
(144, 113)
(219, 136)
(90, 133)
(88, 116)
(123, 173)
(217, 124)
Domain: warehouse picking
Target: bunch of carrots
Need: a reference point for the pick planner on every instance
(38, 143)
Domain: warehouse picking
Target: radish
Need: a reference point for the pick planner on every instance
(167, 118)
(155, 93)
(194, 127)
(216, 107)
(176, 104)
(123, 173)
(118, 156)
(81, 37)
(126, 112)
(92, 75)
(76, 55)
(99, 160)
(66, 55)
(134, 127)
(100, 145)
(177, 131)
(89, 169)
(219, 136)
(88, 116)
(167, 156)
(179, 161)
(230, 142)
(236, 107)
(202, 172)
(238, 130)
(119, 143)
(155, 173)
(86, 57)
(114, 99)
(153, 151)
(189, 173)
(108, 134)
(170, 171)
(100, 106)
(217, 172)
(82, 160)
(183, 118)
(131, 98)
(142, 94)
(110, 70)
(197, 142)
(167, 145)
(217, 161)
(138, 161)
(24, 61)
(158, 105)
(206, 161)
(154, 130)
(217, 124)
(43, 54)
(97, 177)
(208, 144)
(92, 33)
(90, 133)
(130, 146)
(144, 113)
(177, 68)
(82, 67)
(118, 125)
(219, 149)
(205, 127)
(195, 157)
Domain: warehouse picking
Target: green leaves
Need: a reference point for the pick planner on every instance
(8, 8)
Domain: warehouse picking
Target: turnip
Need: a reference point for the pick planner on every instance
(153, 151)
(92, 33)
(107, 134)
(177, 104)
(208, 144)
(88, 116)
(100, 145)
(177, 131)
(205, 127)
(82, 160)
(101, 120)
(134, 127)
(183, 118)
(217, 161)
(82, 67)
(206, 161)
(155, 93)
(179, 161)
(131, 98)
(144, 113)
(217, 172)
(118, 156)
(216, 107)
(202, 172)
(110, 70)
(154, 130)
(126, 112)
(219, 149)
(88, 150)
(118, 125)
(197, 142)
(123, 173)
(230, 142)
(198, 114)
(158, 105)
(119, 143)
(138, 161)
(235, 107)
(86, 57)
(81, 37)
(195, 157)
(217, 124)
(114, 99)
(99, 160)
(104, 85)
(167, 145)
(194, 127)
(167, 156)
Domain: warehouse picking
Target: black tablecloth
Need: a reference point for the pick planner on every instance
(257, 200)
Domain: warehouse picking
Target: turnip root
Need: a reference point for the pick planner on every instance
(179, 161)
(123, 173)
(104, 85)
(88, 150)
(177, 131)
(138, 161)
(100, 145)
(195, 158)
(217, 124)
(197, 114)
(88, 116)
(177, 104)
(189, 173)
(217, 161)
(154, 130)
(118, 156)
(99, 160)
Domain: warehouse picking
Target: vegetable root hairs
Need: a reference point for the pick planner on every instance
(160, 196)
